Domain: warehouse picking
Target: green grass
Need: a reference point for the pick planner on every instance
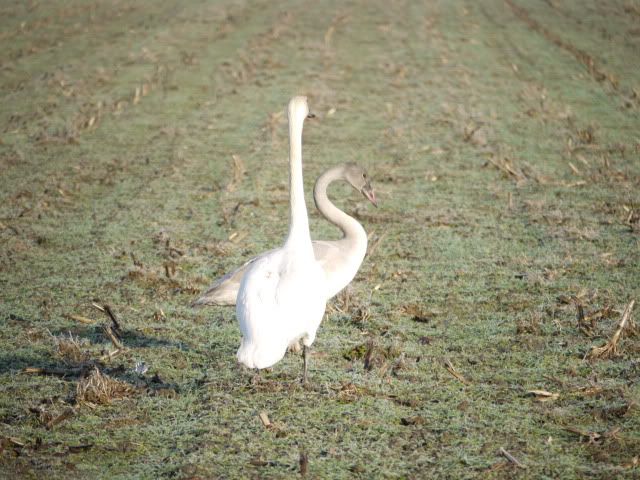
(103, 187)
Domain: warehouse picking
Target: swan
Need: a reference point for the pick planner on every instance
(340, 259)
(282, 296)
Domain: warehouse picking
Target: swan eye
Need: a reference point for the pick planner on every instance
(364, 175)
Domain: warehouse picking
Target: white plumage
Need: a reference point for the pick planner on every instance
(282, 296)
(340, 259)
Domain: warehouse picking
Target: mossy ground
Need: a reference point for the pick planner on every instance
(503, 140)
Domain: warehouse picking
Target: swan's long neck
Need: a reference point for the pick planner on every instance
(299, 224)
(351, 229)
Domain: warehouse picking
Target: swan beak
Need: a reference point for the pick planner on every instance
(311, 115)
(368, 192)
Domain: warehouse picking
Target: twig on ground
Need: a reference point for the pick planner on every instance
(97, 307)
(543, 395)
(452, 370)
(574, 169)
(108, 331)
(511, 458)
(238, 172)
(110, 355)
(81, 319)
(264, 418)
(506, 165)
(113, 331)
(114, 319)
(610, 349)
(65, 415)
(374, 246)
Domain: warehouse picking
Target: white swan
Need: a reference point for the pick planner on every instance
(282, 297)
(340, 259)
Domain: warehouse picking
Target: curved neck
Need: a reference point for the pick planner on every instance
(350, 227)
(299, 224)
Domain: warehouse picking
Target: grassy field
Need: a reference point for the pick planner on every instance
(143, 151)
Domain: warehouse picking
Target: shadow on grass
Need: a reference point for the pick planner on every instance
(44, 365)
(16, 363)
(129, 338)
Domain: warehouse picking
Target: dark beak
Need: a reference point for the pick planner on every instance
(311, 115)
(368, 192)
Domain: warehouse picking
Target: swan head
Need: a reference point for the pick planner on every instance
(359, 179)
(299, 110)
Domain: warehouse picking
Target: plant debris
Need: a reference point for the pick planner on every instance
(113, 331)
(543, 395)
(100, 389)
(65, 415)
(594, 437)
(264, 418)
(81, 319)
(70, 349)
(453, 371)
(418, 314)
(587, 322)
(238, 173)
(303, 463)
(417, 420)
(610, 349)
(349, 392)
(511, 458)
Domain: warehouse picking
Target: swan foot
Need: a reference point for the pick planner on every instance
(260, 374)
(305, 360)
(256, 377)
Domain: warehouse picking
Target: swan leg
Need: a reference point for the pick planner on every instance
(305, 359)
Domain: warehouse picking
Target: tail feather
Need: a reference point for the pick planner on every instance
(224, 290)
(224, 294)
